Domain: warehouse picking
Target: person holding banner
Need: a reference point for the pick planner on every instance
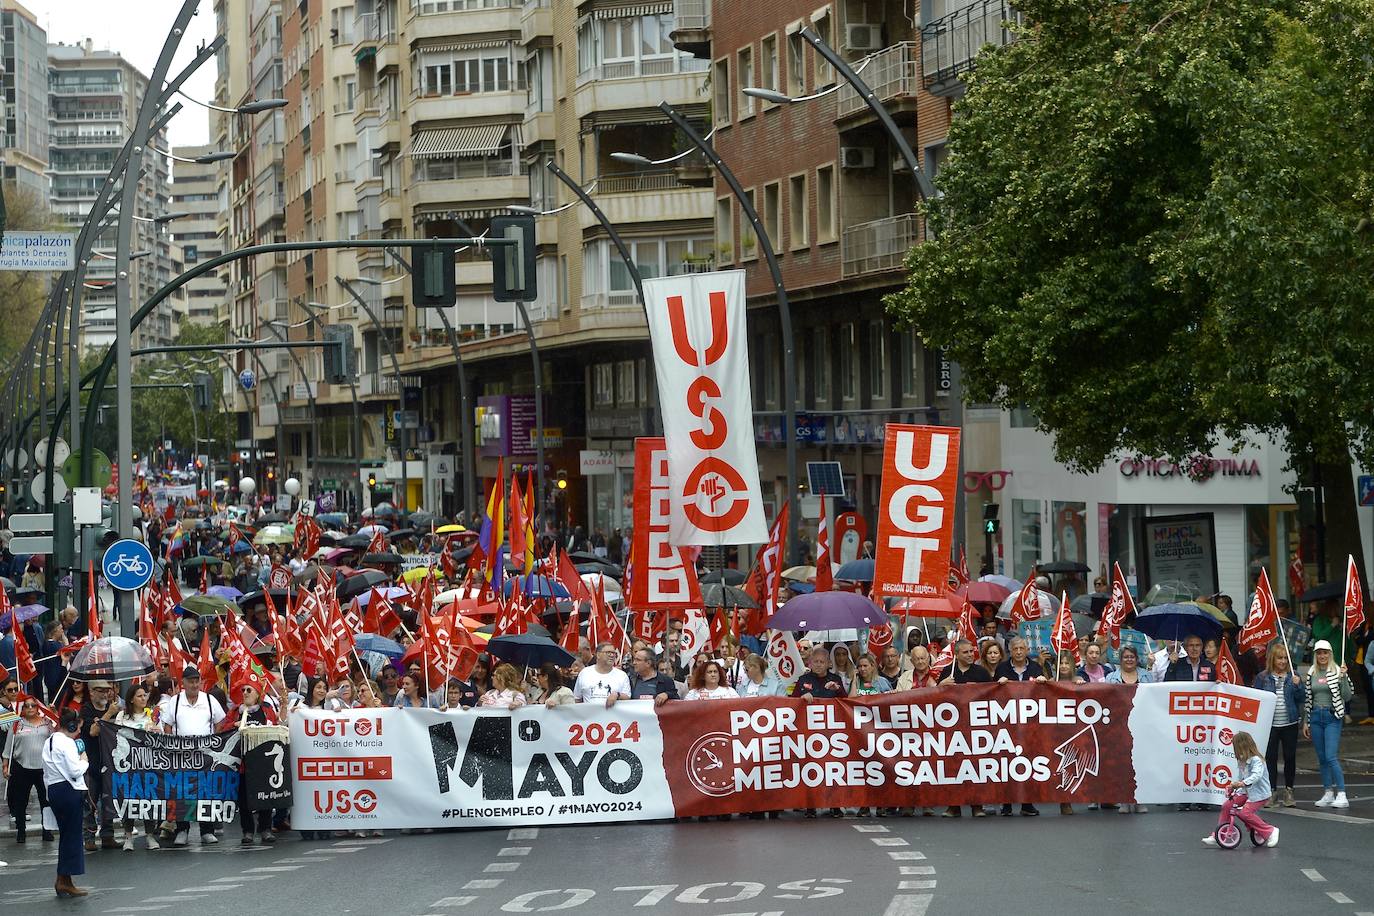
(646, 681)
(1130, 671)
(919, 675)
(505, 692)
(556, 693)
(1279, 679)
(1328, 690)
(64, 775)
(708, 683)
(1020, 666)
(254, 712)
(191, 713)
(602, 682)
(137, 714)
(758, 680)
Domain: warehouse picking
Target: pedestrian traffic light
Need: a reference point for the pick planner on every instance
(432, 283)
(340, 359)
(991, 523)
(513, 275)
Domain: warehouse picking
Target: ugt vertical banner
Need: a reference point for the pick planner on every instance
(916, 512)
(665, 578)
(701, 358)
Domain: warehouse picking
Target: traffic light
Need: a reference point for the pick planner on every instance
(200, 391)
(271, 474)
(513, 275)
(372, 481)
(991, 523)
(562, 482)
(340, 359)
(432, 282)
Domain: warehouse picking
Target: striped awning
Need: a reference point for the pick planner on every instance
(479, 140)
(632, 10)
(473, 45)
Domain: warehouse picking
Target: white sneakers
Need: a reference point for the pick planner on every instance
(1340, 801)
(1209, 840)
(1273, 839)
(152, 842)
(180, 839)
(1327, 798)
(129, 841)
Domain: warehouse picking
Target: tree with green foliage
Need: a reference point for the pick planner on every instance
(1155, 230)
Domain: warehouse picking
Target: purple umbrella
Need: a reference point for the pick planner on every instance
(224, 591)
(827, 611)
(26, 613)
(388, 592)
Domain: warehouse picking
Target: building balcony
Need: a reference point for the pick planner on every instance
(692, 27)
(646, 197)
(614, 309)
(377, 384)
(508, 105)
(894, 75)
(536, 20)
(461, 18)
(87, 90)
(469, 193)
(371, 34)
(638, 85)
(950, 44)
(877, 246)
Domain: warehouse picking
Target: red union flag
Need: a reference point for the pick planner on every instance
(701, 358)
(1228, 672)
(665, 577)
(1120, 606)
(1262, 623)
(916, 513)
(1354, 597)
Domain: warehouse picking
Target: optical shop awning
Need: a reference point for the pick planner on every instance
(481, 140)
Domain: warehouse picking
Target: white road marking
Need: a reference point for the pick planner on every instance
(138, 909)
(889, 841)
(906, 855)
(483, 884)
(1322, 816)
(372, 842)
(271, 869)
(523, 833)
(174, 898)
(454, 901)
(916, 885)
(297, 861)
(342, 847)
(1312, 874)
(870, 828)
(242, 878)
(909, 905)
(514, 851)
(210, 887)
(1338, 897)
(502, 866)
(326, 852)
(917, 869)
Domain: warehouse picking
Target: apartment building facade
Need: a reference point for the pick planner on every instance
(24, 83)
(93, 98)
(195, 192)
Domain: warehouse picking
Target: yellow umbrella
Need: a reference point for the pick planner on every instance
(799, 573)
(449, 529)
(416, 574)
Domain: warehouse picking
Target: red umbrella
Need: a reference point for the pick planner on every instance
(947, 605)
(983, 592)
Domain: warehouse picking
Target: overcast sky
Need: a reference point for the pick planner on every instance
(137, 29)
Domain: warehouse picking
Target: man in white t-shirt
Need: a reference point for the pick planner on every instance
(194, 713)
(603, 681)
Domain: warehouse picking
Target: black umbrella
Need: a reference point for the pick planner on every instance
(605, 569)
(198, 562)
(462, 553)
(725, 577)
(401, 533)
(111, 658)
(385, 557)
(532, 629)
(529, 651)
(1063, 568)
(273, 518)
(355, 541)
(1324, 591)
(726, 596)
(279, 597)
(360, 582)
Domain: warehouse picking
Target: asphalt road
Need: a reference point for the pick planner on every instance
(1091, 863)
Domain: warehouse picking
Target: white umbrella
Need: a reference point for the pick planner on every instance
(1049, 604)
(613, 589)
(368, 530)
(447, 596)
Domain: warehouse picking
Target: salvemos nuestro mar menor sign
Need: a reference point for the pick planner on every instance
(142, 772)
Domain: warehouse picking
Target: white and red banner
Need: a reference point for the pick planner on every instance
(972, 744)
(665, 577)
(916, 512)
(701, 358)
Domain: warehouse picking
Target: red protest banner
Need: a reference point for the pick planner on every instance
(916, 512)
(665, 578)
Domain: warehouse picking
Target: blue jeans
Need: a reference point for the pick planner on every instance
(1326, 738)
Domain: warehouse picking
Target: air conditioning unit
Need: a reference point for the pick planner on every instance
(856, 157)
(860, 36)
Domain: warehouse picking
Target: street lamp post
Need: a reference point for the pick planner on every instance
(789, 368)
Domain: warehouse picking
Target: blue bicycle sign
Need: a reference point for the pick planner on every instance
(128, 565)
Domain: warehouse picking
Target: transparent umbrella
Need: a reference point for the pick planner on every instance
(111, 658)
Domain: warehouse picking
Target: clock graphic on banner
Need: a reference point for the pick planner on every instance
(710, 765)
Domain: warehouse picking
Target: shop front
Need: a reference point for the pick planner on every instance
(1208, 524)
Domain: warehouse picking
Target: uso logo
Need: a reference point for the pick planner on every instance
(345, 801)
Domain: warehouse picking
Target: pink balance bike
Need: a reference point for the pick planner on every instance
(1228, 835)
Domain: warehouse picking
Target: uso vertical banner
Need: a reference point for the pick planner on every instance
(665, 579)
(916, 512)
(701, 358)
